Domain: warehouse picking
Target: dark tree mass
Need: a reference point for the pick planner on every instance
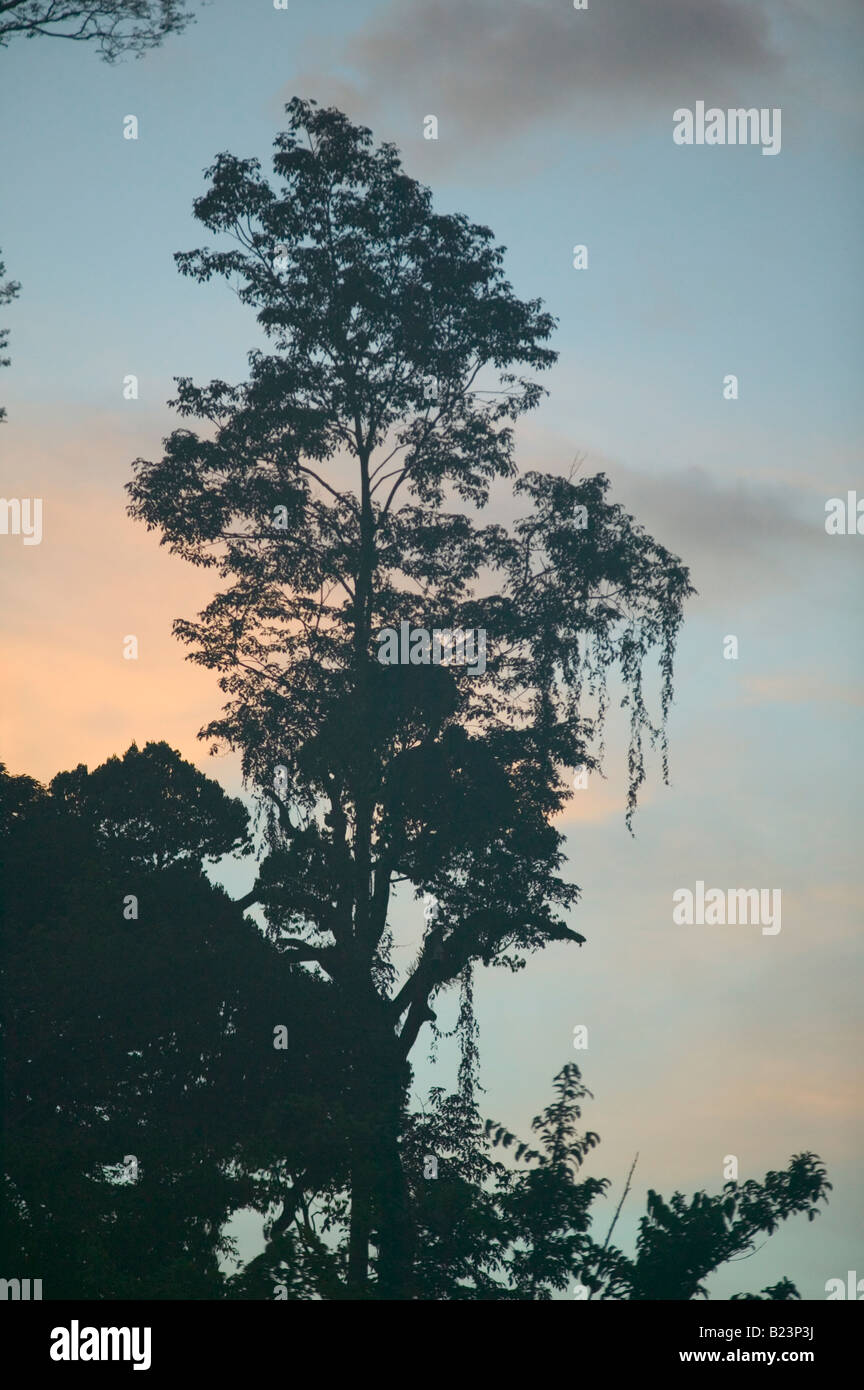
(144, 1101)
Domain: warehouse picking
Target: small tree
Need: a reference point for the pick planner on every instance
(682, 1242)
(322, 492)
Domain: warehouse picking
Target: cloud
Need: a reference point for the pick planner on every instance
(743, 538)
(489, 70)
(746, 536)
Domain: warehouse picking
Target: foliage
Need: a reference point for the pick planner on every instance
(149, 1038)
(152, 1040)
(115, 26)
(151, 808)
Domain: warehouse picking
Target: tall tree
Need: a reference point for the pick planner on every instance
(115, 26)
(336, 493)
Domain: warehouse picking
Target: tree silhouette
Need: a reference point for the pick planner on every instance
(491, 1230)
(115, 26)
(321, 494)
(147, 1039)
(150, 808)
(680, 1243)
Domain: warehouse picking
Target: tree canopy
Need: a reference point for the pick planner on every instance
(152, 808)
(142, 1095)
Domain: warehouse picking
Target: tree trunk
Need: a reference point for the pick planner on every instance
(361, 1229)
(396, 1224)
(380, 1198)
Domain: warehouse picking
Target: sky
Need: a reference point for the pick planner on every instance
(555, 129)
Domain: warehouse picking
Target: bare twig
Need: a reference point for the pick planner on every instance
(617, 1214)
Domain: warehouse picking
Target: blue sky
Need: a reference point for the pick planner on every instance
(555, 128)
